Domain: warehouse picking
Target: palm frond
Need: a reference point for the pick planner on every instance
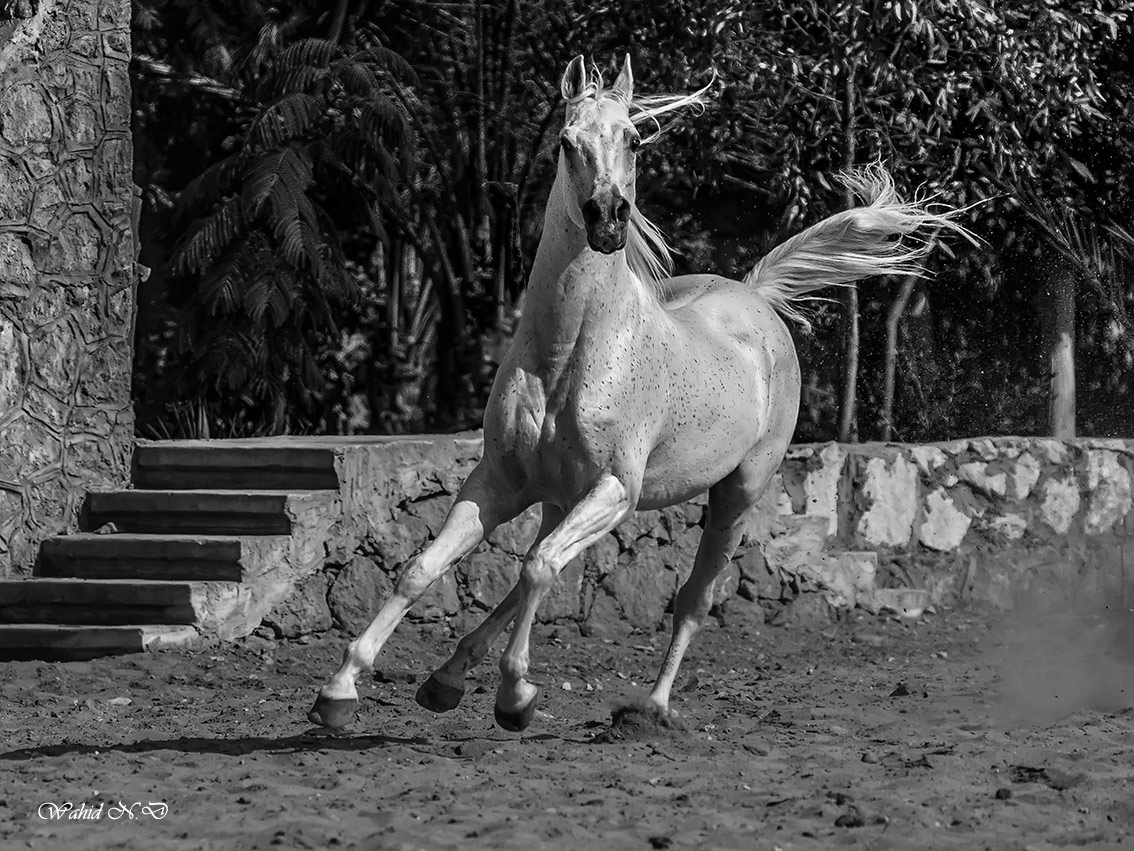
(356, 78)
(211, 236)
(308, 52)
(281, 81)
(280, 175)
(283, 119)
(207, 188)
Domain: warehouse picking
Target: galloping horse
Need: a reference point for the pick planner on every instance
(626, 389)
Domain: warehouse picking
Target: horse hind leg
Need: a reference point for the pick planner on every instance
(480, 507)
(446, 686)
(731, 501)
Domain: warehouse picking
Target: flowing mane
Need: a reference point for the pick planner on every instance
(648, 254)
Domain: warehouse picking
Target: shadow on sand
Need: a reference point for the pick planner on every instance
(314, 740)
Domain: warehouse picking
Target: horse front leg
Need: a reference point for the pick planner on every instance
(482, 504)
(603, 508)
(446, 686)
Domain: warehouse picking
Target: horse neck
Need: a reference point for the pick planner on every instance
(572, 287)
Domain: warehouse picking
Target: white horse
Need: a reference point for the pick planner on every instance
(625, 389)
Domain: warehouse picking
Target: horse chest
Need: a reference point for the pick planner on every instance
(560, 428)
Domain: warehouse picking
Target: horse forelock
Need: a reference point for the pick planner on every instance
(647, 253)
(642, 110)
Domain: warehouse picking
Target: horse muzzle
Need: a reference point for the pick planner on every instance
(606, 223)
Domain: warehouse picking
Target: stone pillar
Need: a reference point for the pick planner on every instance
(67, 265)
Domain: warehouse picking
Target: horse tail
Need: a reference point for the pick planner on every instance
(884, 237)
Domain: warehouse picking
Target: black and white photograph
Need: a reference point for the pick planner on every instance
(547, 425)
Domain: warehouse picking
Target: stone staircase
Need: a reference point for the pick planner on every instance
(209, 539)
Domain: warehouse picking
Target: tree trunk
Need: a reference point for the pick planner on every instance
(848, 421)
(893, 317)
(1061, 354)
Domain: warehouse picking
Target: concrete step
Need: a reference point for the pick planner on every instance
(205, 512)
(56, 642)
(236, 465)
(107, 602)
(198, 558)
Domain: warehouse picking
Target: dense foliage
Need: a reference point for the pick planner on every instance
(339, 202)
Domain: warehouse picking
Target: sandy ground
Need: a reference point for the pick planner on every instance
(956, 730)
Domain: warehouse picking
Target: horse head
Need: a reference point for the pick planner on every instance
(598, 153)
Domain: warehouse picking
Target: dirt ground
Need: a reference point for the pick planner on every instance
(956, 730)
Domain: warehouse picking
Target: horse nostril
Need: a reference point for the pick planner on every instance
(592, 213)
(622, 210)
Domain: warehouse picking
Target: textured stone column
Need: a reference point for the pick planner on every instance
(67, 265)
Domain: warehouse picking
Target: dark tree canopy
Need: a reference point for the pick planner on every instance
(340, 200)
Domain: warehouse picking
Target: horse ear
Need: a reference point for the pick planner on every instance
(574, 79)
(624, 85)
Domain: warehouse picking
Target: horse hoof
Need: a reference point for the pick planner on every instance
(435, 696)
(333, 712)
(516, 720)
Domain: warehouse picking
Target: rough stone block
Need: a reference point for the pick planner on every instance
(77, 179)
(649, 525)
(678, 556)
(1025, 475)
(304, 611)
(945, 525)
(117, 45)
(1053, 451)
(13, 369)
(54, 355)
(642, 586)
(564, 600)
(25, 117)
(1109, 484)
(793, 541)
(1060, 503)
(431, 511)
(30, 451)
(17, 268)
(976, 473)
(928, 458)
(758, 578)
(844, 579)
(605, 618)
(11, 512)
(488, 575)
(1011, 526)
(821, 486)
(602, 556)
(517, 537)
(891, 492)
(357, 593)
(17, 195)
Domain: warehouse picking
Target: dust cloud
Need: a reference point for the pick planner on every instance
(1053, 661)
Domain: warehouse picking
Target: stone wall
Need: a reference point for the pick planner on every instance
(986, 520)
(996, 520)
(67, 264)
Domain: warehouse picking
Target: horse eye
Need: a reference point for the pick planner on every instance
(566, 143)
(635, 142)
